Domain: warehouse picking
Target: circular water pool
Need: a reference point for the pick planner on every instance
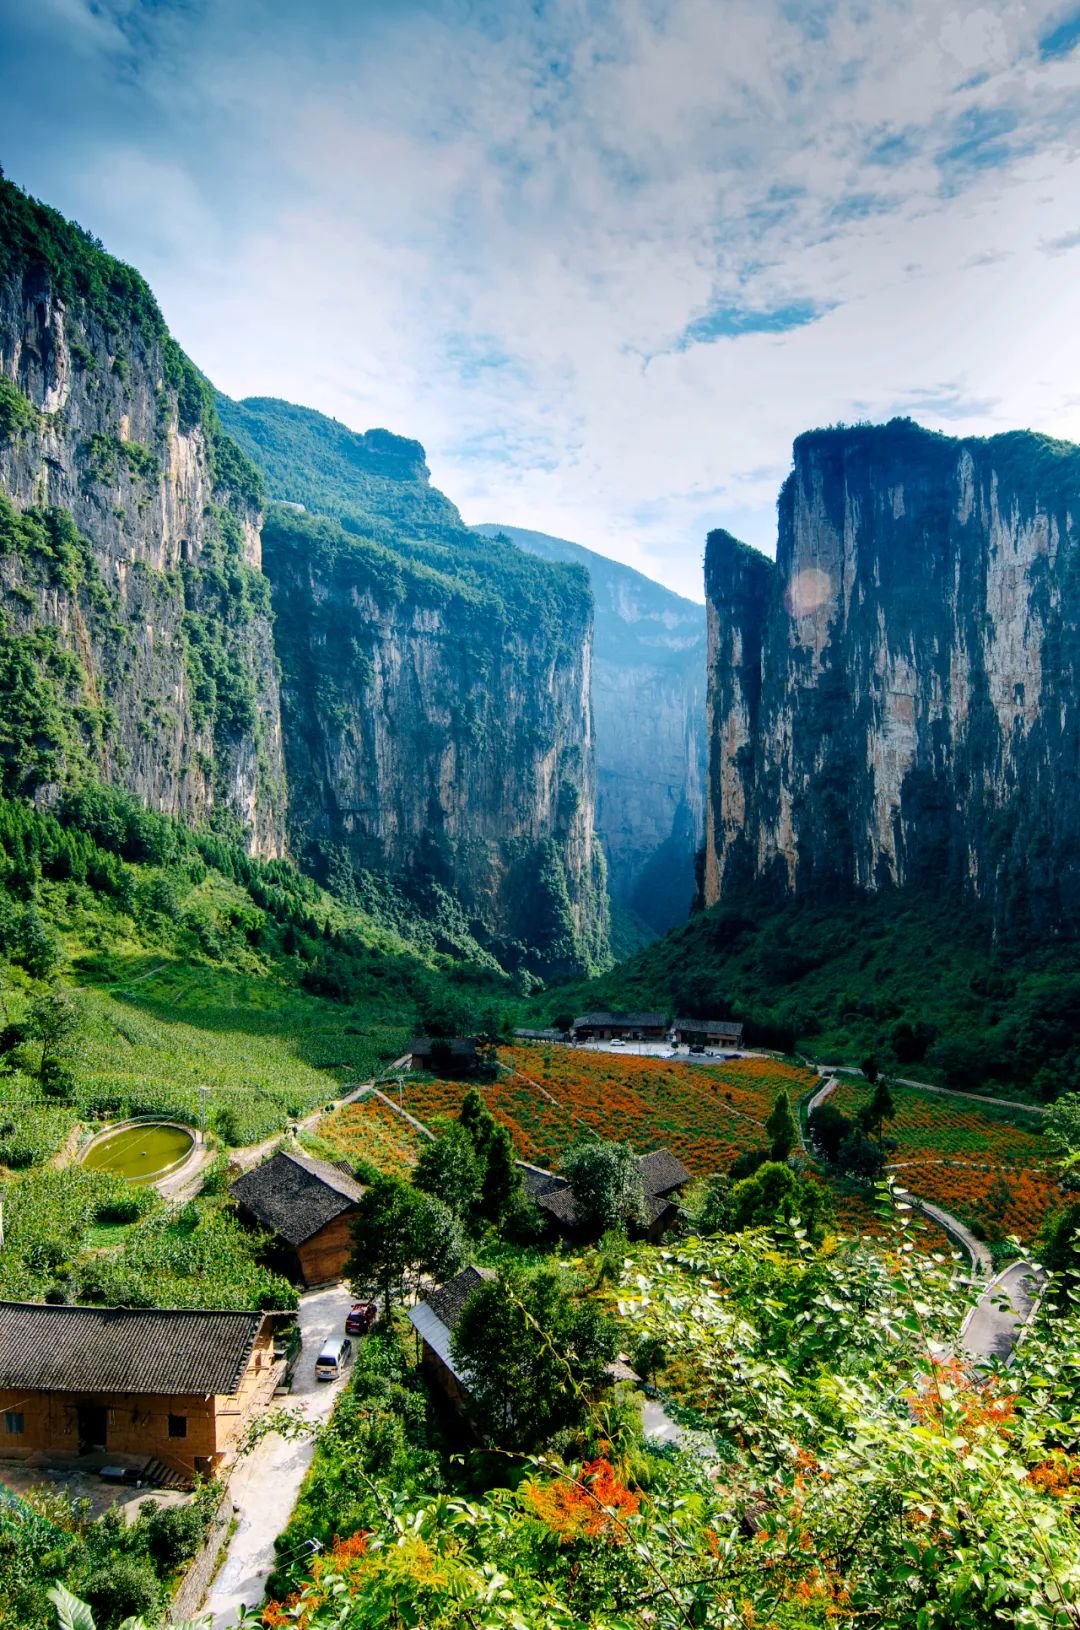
(141, 1151)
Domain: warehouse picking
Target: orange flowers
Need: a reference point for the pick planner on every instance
(369, 1130)
(593, 1507)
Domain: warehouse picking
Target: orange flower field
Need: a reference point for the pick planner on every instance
(984, 1164)
(706, 1114)
(369, 1130)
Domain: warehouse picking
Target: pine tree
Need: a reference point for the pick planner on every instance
(781, 1128)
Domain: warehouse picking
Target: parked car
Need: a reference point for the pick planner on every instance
(336, 1355)
(697, 1047)
(360, 1318)
(617, 1041)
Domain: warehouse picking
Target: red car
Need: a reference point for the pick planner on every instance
(361, 1318)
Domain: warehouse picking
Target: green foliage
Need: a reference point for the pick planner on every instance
(608, 1191)
(908, 977)
(449, 1168)
(400, 1237)
(500, 1185)
(776, 1196)
(18, 415)
(533, 1354)
(781, 1128)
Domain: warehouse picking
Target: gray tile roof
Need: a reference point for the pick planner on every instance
(631, 1021)
(120, 1349)
(448, 1302)
(295, 1195)
(458, 1047)
(710, 1027)
(662, 1171)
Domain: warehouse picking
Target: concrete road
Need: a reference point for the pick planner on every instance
(992, 1327)
(265, 1484)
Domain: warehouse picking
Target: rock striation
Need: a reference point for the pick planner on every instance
(894, 702)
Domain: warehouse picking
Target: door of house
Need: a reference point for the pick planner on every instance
(93, 1427)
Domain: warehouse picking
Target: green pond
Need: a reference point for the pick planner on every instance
(140, 1153)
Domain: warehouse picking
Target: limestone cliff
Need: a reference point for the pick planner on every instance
(648, 697)
(895, 701)
(435, 691)
(135, 632)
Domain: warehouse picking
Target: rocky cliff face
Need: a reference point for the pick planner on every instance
(135, 633)
(648, 697)
(895, 701)
(435, 692)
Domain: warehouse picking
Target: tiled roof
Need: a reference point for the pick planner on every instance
(448, 1302)
(295, 1195)
(120, 1349)
(710, 1027)
(662, 1171)
(632, 1021)
(459, 1047)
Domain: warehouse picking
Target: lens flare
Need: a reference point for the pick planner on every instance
(808, 591)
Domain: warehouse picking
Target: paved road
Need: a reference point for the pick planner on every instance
(951, 1092)
(266, 1483)
(992, 1327)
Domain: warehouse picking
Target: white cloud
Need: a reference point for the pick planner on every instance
(492, 226)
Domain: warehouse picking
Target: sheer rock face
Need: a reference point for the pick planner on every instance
(895, 701)
(434, 737)
(648, 698)
(106, 443)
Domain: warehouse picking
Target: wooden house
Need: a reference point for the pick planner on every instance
(663, 1176)
(308, 1206)
(620, 1026)
(435, 1322)
(706, 1033)
(153, 1388)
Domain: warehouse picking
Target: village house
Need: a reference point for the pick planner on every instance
(706, 1033)
(439, 1055)
(620, 1027)
(167, 1391)
(308, 1206)
(663, 1176)
(435, 1322)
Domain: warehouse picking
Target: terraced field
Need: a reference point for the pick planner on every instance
(370, 1131)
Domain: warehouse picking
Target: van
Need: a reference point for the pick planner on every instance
(335, 1355)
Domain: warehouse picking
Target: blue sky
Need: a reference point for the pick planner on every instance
(605, 258)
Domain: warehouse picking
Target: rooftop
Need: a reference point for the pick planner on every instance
(710, 1027)
(121, 1349)
(295, 1195)
(632, 1021)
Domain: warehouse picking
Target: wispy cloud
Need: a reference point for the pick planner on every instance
(606, 258)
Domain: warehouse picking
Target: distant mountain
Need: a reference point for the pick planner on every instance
(648, 694)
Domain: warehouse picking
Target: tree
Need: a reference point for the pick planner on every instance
(606, 1180)
(781, 1128)
(500, 1181)
(450, 1168)
(880, 1109)
(53, 1020)
(1063, 1127)
(830, 1129)
(400, 1234)
(776, 1193)
(532, 1356)
(869, 1067)
(73, 1614)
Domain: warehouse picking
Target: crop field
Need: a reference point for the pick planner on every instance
(705, 1114)
(370, 1131)
(161, 1030)
(989, 1166)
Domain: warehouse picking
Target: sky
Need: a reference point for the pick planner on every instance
(604, 258)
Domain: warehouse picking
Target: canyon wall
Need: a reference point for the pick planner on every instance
(648, 698)
(894, 702)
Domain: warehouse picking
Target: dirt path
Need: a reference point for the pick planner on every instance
(950, 1092)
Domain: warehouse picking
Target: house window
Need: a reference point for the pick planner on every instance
(13, 1422)
(178, 1426)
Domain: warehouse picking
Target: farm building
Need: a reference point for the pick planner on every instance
(706, 1033)
(308, 1205)
(435, 1322)
(620, 1026)
(459, 1056)
(663, 1175)
(167, 1391)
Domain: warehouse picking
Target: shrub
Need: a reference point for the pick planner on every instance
(126, 1587)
